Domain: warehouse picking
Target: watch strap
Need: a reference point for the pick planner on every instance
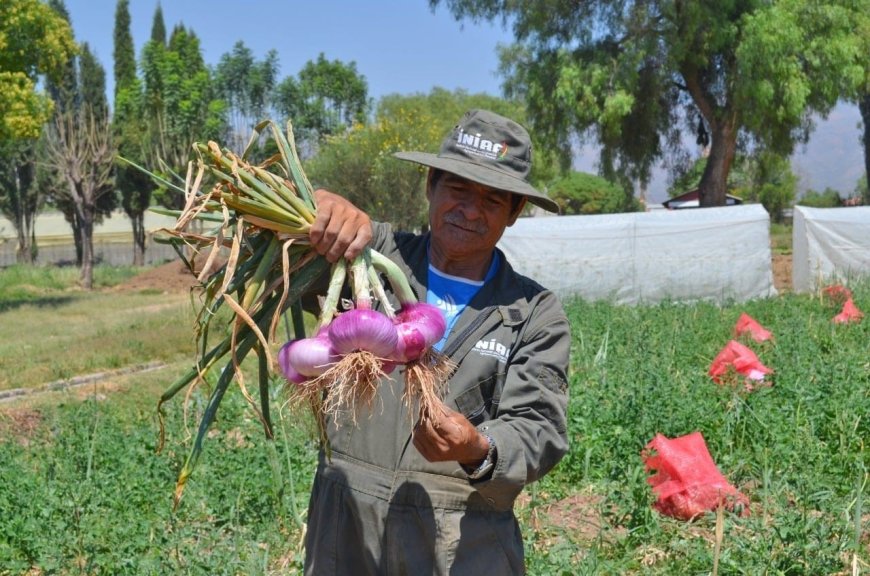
(488, 462)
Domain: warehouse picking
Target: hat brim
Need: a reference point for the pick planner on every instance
(481, 175)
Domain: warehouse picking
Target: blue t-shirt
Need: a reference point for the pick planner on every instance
(453, 293)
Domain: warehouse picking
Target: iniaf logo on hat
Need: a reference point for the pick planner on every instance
(488, 149)
(474, 144)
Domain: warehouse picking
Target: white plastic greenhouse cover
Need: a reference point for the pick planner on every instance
(717, 254)
(829, 245)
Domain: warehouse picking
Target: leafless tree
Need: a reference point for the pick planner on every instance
(80, 149)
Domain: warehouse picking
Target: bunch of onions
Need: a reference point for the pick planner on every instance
(260, 215)
(369, 344)
(359, 340)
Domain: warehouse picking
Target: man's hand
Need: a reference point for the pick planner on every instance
(450, 436)
(340, 228)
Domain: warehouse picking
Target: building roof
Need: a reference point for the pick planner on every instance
(690, 200)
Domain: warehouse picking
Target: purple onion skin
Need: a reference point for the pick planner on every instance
(363, 330)
(428, 318)
(306, 357)
(387, 366)
(287, 368)
(419, 326)
(411, 342)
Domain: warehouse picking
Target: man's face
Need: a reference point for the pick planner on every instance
(467, 219)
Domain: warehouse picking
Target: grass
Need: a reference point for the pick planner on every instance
(63, 332)
(795, 449)
(21, 284)
(780, 238)
(84, 493)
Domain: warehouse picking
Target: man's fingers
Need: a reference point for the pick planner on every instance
(340, 228)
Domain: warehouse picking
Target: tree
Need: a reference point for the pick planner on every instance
(359, 163)
(158, 26)
(638, 76)
(764, 177)
(771, 182)
(81, 85)
(582, 193)
(862, 30)
(862, 190)
(328, 98)
(245, 85)
(35, 44)
(180, 107)
(34, 41)
(20, 200)
(79, 151)
(130, 140)
(828, 198)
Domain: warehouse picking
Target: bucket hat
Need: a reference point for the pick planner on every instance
(488, 149)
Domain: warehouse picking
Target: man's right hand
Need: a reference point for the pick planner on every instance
(340, 228)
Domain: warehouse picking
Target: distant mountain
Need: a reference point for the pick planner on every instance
(833, 157)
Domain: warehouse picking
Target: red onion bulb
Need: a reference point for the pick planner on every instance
(363, 330)
(419, 326)
(306, 358)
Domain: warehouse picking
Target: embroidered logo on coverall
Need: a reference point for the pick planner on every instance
(493, 349)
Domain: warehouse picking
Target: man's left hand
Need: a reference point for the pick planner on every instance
(449, 435)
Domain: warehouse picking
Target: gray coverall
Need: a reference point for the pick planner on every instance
(378, 507)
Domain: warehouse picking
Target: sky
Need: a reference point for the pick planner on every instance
(401, 46)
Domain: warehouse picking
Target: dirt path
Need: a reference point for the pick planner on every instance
(782, 272)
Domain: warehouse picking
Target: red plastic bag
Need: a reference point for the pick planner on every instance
(746, 324)
(735, 357)
(686, 480)
(837, 293)
(850, 313)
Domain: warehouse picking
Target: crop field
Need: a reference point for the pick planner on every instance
(83, 489)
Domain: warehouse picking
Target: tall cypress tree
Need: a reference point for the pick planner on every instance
(179, 106)
(158, 27)
(123, 53)
(128, 131)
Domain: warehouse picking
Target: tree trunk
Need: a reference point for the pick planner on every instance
(138, 222)
(864, 107)
(77, 239)
(86, 227)
(25, 215)
(713, 188)
(25, 253)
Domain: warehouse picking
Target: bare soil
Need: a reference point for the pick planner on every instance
(782, 272)
(170, 277)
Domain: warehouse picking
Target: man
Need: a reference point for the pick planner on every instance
(437, 498)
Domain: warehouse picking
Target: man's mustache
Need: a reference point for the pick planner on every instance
(458, 220)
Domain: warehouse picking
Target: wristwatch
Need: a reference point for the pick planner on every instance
(487, 464)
